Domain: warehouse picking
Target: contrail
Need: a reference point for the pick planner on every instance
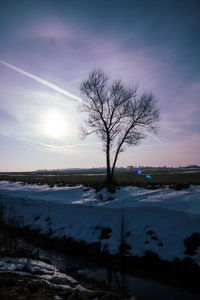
(154, 137)
(42, 81)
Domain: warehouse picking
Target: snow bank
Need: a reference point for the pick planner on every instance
(157, 220)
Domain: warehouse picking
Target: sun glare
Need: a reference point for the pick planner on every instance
(55, 125)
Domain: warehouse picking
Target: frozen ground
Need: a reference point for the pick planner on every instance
(157, 220)
(41, 272)
(37, 268)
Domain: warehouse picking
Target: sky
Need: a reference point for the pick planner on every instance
(47, 48)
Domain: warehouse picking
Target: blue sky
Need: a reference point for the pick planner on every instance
(154, 44)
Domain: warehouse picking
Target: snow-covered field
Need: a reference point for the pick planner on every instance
(157, 220)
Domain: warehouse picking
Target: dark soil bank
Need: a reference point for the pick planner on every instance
(16, 287)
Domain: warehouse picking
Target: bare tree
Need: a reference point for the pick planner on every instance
(117, 115)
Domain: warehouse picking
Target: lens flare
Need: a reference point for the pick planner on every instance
(148, 176)
(138, 171)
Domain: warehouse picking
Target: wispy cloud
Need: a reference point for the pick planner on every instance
(52, 29)
(64, 149)
(6, 117)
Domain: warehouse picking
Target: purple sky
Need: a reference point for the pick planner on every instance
(154, 44)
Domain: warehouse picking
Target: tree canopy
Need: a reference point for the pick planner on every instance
(117, 115)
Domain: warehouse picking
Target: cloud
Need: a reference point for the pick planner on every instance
(64, 149)
(6, 117)
(49, 29)
(182, 113)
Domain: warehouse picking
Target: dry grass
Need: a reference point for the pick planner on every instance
(160, 177)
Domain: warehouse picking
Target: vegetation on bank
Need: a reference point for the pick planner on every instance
(25, 242)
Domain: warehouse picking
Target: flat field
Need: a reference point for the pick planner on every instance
(158, 176)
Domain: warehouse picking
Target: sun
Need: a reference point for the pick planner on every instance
(55, 125)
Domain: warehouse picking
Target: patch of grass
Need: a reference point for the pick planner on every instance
(123, 248)
(62, 228)
(105, 233)
(179, 186)
(154, 238)
(96, 227)
(150, 232)
(192, 243)
(61, 184)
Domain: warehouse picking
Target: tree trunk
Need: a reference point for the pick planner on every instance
(109, 175)
(113, 167)
(117, 153)
(108, 164)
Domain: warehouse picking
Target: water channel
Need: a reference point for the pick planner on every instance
(141, 288)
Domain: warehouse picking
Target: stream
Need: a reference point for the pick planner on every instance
(143, 289)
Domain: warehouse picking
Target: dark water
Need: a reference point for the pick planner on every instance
(143, 289)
